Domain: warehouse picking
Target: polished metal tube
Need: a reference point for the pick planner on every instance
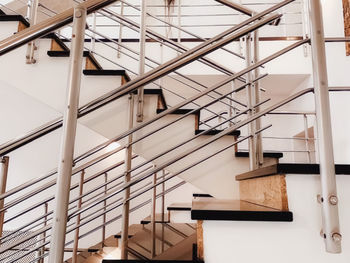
(68, 138)
(4, 166)
(126, 204)
(142, 55)
(76, 234)
(330, 216)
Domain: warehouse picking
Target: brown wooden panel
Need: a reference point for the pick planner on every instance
(200, 243)
(90, 65)
(21, 26)
(55, 46)
(269, 191)
(346, 13)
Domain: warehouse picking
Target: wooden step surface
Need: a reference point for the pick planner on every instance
(290, 168)
(236, 210)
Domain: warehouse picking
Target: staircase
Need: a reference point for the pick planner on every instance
(220, 148)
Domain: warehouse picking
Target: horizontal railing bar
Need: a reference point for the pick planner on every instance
(48, 25)
(111, 96)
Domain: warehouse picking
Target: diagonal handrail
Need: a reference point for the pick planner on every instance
(183, 59)
(48, 25)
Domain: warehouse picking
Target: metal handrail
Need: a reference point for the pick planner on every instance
(48, 25)
(147, 77)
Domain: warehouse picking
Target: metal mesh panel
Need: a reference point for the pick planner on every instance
(8, 256)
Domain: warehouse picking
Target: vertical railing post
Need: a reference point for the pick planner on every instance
(32, 15)
(128, 158)
(68, 138)
(163, 208)
(142, 59)
(306, 135)
(251, 126)
(153, 217)
(329, 198)
(104, 218)
(256, 101)
(43, 235)
(120, 37)
(4, 163)
(76, 234)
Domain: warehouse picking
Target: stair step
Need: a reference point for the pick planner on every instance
(265, 154)
(180, 207)
(58, 40)
(201, 195)
(66, 53)
(18, 18)
(107, 72)
(155, 92)
(148, 261)
(290, 168)
(133, 229)
(214, 132)
(158, 219)
(180, 111)
(236, 210)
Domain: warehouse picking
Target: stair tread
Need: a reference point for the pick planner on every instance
(150, 261)
(267, 154)
(290, 168)
(201, 195)
(107, 72)
(214, 132)
(236, 210)
(18, 18)
(180, 207)
(133, 229)
(158, 219)
(180, 111)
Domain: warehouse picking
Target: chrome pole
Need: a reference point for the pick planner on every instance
(4, 162)
(126, 205)
(32, 15)
(142, 59)
(163, 207)
(68, 138)
(76, 236)
(330, 217)
(104, 215)
(306, 134)
(153, 217)
(43, 235)
(251, 125)
(256, 101)
(120, 29)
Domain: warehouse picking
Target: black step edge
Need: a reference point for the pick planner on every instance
(214, 132)
(226, 215)
(107, 72)
(18, 18)
(290, 168)
(181, 112)
(265, 154)
(149, 261)
(201, 195)
(178, 208)
(66, 53)
(146, 222)
(58, 40)
(118, 236)
(155, 92)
